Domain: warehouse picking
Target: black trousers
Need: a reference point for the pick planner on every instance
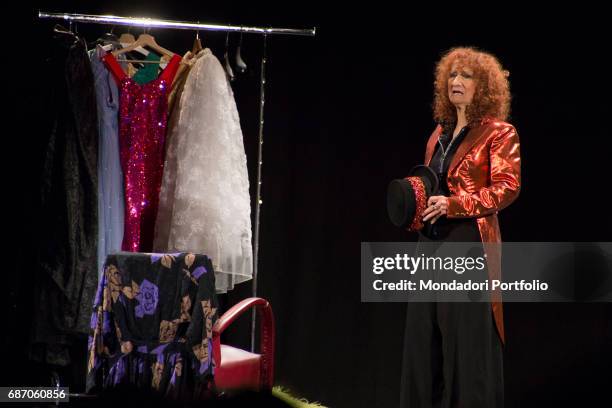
(452, 352)
(452, 357)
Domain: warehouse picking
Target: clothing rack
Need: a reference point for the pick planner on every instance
(179, 25)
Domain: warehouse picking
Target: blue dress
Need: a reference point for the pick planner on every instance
(111, 200)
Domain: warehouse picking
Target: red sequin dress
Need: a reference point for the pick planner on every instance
(143, 114)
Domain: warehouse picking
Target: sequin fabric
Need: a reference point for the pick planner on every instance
(419, 192)
(143, 114)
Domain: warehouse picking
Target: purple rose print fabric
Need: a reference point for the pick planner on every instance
(198, 272)
(147, 297)
(151, 325)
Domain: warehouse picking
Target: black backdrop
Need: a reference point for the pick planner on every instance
(347, 111)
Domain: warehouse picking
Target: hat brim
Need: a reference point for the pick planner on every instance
(400, 199)
(429, 177)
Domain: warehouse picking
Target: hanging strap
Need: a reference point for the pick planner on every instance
(114, 67)
(168, 73)
(171, 69)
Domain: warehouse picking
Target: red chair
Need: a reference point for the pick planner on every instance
(237, 369)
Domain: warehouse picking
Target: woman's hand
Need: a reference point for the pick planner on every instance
(436, 207)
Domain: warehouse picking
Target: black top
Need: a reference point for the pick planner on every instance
(443, 155)
(459, 229)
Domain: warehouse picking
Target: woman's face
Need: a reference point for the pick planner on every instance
(461, 85)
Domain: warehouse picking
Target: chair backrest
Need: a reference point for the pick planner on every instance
(267, 335)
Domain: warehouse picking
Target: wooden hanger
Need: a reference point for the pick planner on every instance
(144, 40)
(197, 44)
(127, 38)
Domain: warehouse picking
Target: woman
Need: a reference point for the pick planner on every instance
(453, 351)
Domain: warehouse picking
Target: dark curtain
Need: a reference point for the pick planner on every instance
(349, 110)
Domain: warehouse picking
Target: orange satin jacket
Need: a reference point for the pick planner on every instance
(483, 178)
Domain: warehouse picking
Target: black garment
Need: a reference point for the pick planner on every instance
(65, 274)
(151, 326)
(464, 229)
(452, 357)
(452, 352)
(443, 156)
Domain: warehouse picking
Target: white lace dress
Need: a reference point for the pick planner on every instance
(204, 204)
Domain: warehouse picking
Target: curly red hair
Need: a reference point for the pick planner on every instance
(492, 93)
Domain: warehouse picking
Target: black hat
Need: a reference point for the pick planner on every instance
(407, 198)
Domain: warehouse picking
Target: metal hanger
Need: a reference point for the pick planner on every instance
(240, 64)
(228, 67)
(107, 38)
